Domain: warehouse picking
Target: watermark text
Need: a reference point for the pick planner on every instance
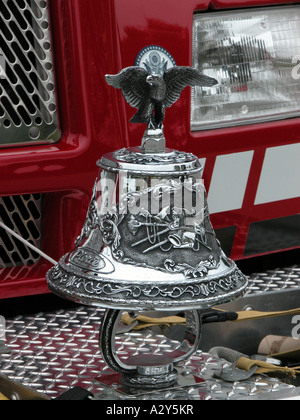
(155, 196)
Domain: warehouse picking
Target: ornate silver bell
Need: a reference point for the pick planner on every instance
(147, 242)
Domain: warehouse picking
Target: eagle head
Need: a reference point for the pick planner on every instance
(154, 80)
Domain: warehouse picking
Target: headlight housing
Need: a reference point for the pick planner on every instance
(255, 55)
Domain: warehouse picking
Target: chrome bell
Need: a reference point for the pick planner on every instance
(147, 242)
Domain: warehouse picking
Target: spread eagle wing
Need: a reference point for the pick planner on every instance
(178, 78)
(132, 82)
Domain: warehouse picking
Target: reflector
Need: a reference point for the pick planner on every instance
(253, 54)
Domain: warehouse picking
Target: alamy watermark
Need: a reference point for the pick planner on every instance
(296, 329)
(3, 348)
(152, 195)
(296, 68)
(2, 328)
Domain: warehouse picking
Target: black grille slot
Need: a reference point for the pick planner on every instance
(28, 100)
(22, 214)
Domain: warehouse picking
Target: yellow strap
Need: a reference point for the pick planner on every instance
(290, 355)
(247, 315)
(3, 397)
(145, 321)
(267, 368)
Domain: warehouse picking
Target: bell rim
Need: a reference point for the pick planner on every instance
(171, 162)
(78, 289)
(197, 305)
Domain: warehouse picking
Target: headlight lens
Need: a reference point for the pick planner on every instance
(255, 55)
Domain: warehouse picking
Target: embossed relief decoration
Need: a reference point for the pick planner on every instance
(172, 241)
(167, 243)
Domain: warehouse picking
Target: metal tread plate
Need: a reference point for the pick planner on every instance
(275, 280)
(52, 352)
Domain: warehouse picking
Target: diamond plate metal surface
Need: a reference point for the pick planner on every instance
(54, 351)
(275, 280)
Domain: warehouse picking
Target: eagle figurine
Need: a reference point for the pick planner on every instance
(151, 94)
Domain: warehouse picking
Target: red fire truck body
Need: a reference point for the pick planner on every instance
(93, 38)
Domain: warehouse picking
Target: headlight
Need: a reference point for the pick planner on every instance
(255, 55)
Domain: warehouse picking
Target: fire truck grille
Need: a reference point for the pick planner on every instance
(22, 214)
(28, 102)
